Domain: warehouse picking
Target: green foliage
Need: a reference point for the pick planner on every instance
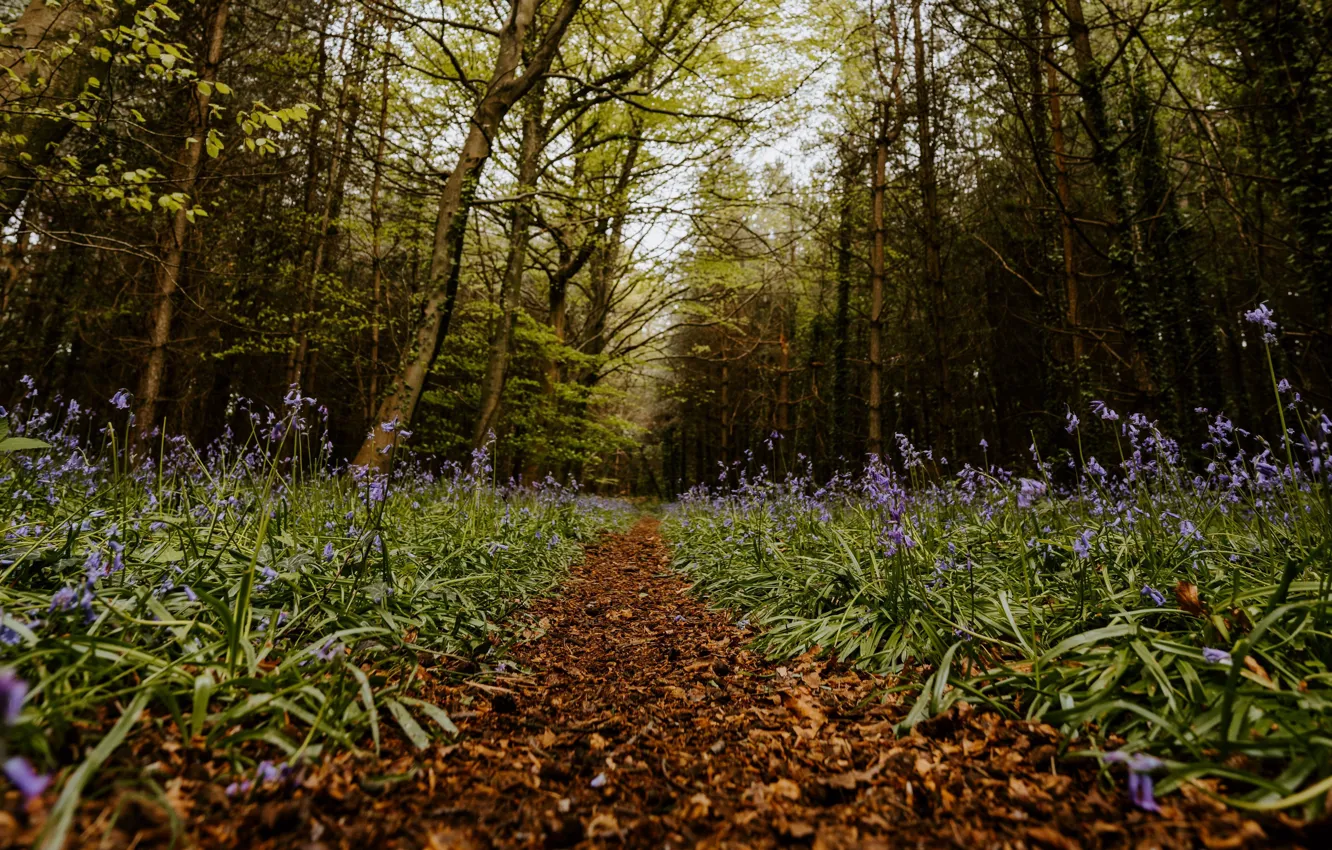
(251, 600)
(1159, 610)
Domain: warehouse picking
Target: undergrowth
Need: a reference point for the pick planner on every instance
(1151, 604)
(249, 597)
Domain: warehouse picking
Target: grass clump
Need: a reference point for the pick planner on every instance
(250, 597)
(1146, 606)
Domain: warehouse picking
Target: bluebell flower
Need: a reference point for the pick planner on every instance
(27, 780)
(1149, 592)
(63, 599)
(1140, 786)
(1102, 410)
(237, 788)
(13, 691)
(1216, 656)
(121, 399)
(1262, 316)
(1082, 545)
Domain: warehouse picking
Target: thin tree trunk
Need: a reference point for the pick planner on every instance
(606, 260)
(172, 242)
(344, 131)
(929, 191)
(505, 88)
(783, 385)
(529, 162)
(377, 227)
(1131, 290)
(311, 185)
(1071, 313)
(841, 401)
(877, 263)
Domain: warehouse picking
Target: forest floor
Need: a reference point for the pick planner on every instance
(636, 716)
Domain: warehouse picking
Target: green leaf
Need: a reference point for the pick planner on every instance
(19, 444)
(413, 730)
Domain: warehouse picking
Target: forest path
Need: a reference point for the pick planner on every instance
(643, 721)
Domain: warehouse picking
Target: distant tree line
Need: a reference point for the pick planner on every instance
(1020, 206)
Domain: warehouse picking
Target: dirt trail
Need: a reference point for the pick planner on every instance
(643, 721)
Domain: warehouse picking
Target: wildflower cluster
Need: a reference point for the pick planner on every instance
(1178, 602)
(256, 558)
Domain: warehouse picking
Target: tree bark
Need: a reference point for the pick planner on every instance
(505, 88)
(929, 193)
(171, 245)
(529, 162)
(841, 401)
(1071, 313)
(377, 228)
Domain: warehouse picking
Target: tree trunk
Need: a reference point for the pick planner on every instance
(171, 245)
(529, 162)
(929, 193)
(1065, 196)
(877, 270)
(841, 401)
(506, 86)
(1130, 289)
(377, 228)
(344, 133)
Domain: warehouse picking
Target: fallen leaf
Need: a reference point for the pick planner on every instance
(1186, 594)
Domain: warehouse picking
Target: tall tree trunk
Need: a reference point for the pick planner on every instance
(605, 261)
(1131, 291)
(505, 88)
(171, 245)
(929, 193)
(339, 161)
(841, 400)
(877, 270)
(311, 186)
(45, 61)
(529, 162)
(377, 226)
(1072, 317)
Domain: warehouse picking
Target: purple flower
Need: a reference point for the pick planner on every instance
(328, 551)
(1262, 316)
(1073, 422)
(1283, 386)
(1149, 592)
(1100, 409)
(329, 650)
(13, 691)
(121, 399)
(236, 788)
(65, 598)
(269, 772)
(1140, 767)
(28, 781)
(1082, 545)
(1216, 656)
(1029, 490)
